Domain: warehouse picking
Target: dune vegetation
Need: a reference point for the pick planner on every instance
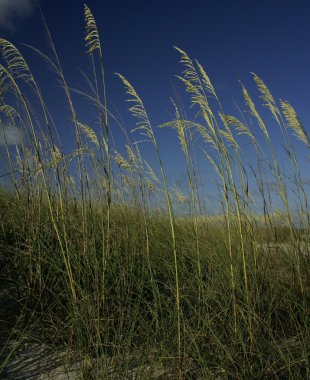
(103, 256)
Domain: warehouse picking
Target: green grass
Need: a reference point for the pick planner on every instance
(97, 266)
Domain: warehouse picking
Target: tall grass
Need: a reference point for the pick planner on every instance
(96, 250)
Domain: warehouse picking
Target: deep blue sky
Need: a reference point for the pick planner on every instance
(231, 39)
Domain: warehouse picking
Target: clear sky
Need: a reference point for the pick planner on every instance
(231, 39)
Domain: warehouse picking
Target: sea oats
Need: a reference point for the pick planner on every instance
(241, 128)
(131, 155)
(267, 97)
(92, 36)
(229, 137)
(57, 156)
(89, 133)
(9, 112)
(121, 162)
(206, 81)
(16, 64)
(150, 171)
(190, 72)
(294, 122)
(137, 110)
(127, 180)
(150, 185)
(180, 197)
(253, 111)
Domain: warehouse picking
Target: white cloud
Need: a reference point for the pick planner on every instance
(14, 10)
(10, 135)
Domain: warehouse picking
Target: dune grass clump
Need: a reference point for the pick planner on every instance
(102, 260)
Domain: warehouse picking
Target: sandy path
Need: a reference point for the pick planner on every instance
(27, 359)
